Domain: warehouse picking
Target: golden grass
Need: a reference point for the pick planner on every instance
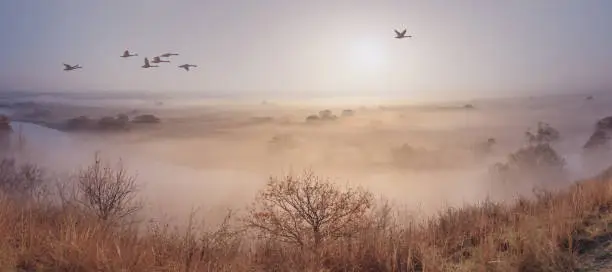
(561, 231)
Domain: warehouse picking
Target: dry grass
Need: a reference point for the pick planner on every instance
(560, 231)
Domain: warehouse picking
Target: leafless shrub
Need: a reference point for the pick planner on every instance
(108, 193)
(22, 182)
(307, 210)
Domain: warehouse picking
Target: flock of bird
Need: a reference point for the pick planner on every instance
(158, 59)
(147, 64)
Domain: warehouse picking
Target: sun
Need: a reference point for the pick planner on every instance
(367, 56)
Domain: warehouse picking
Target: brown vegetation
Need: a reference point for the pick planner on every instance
(109, 194)
(307, 211)
(560, 231)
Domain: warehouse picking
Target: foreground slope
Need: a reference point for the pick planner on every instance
(563, 231)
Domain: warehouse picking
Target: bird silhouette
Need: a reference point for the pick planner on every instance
(186, 66)
(401, 35)
(68, 67)
(147, 65)
(168, 55)
(126, 54)
(158, 60)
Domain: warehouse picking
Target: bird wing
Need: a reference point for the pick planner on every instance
(403, 32)
(67, 66)
(126, 52)
(146, 61)
(397, 32)
(165, 55)
(156, 59)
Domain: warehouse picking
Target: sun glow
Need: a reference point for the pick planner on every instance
(367, 56)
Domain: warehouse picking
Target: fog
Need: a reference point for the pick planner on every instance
(218, 156)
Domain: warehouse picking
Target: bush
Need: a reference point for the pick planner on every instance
(81, 122)
(599, 139)
(20, 181)
(108, 193)
(347, 113)
(601, 136)
(325, 114)
(544, 134)
(312, 118)
(307, 210)
(146, 118)
(108, 122)
(539, 162)
(604, 124)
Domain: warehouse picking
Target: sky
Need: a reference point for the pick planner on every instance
(332, 48)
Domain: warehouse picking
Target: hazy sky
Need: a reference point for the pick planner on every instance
(459, 49)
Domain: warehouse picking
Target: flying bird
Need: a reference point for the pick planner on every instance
(401, 35)
(158, 60)
(147, 65)
(126, 54)
(68, 67)
(186, 66)
(169, 55)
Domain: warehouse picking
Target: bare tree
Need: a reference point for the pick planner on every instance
(109, 193)
(307, 210)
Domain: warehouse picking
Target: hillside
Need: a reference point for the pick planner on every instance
(562, 231)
